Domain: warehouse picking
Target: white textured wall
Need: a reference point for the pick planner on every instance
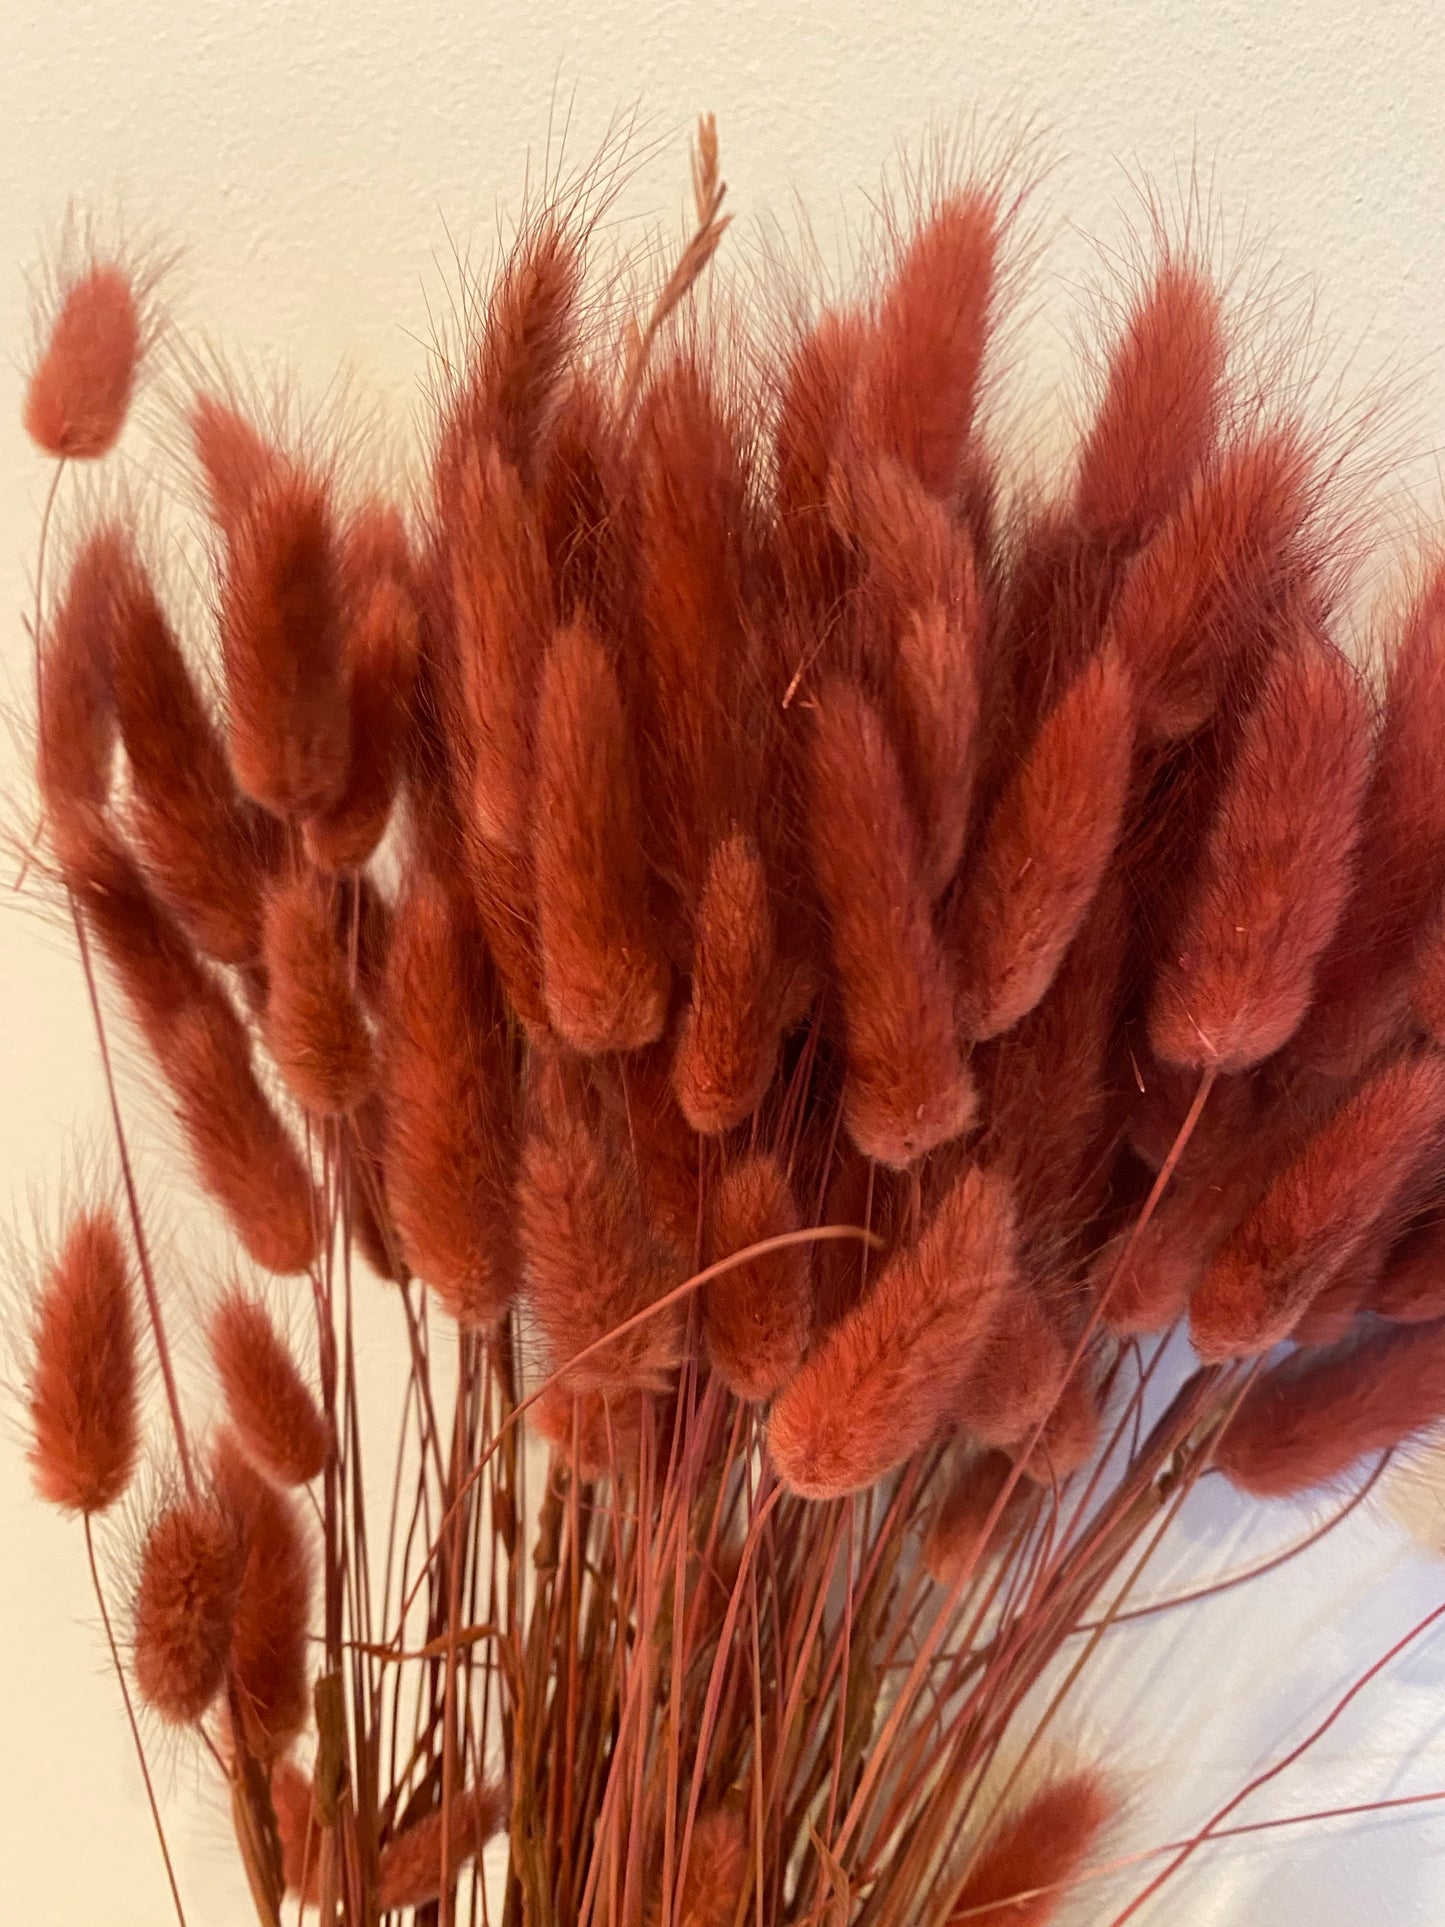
(313, 158)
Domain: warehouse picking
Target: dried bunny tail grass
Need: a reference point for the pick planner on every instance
(415, 1860)
(907, 1088)
(243, 1154)
(1321, 1211)
(1427, 986)
(236, 460)
(1365, 978)
(727, 1049)
(922, 359)
(269, 1651)
(938, 691)
(82, 1384)
(1191, 604)
(1159, 411)
(1275, 870)
(1049, 1083)
(185, 1605)
(604, 975)
(715, 1873)
(313, 1024)
(884, 1380)
(818, 375)
(1020, 1874)
(701, 723)
(501, 602)
(76, 716)
(598, 1433)
(382, 647)
(590, 1258)
(920, 566)
(757, 1317)
(1310, 1419)
(449, 1130)
(278, 1424)
(1051, 836)
(1018, 1372)
(281, 641)
(1410, 1289)
(298, 1825)
(955, 1539)
(506, 386)
(94, 326)
(206, 852)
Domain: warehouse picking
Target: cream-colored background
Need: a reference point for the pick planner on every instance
(316, 161)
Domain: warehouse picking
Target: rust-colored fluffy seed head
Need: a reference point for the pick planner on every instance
(281, 639)
(955, 1539)
(80, 388)
(590, 1257)
(1072, 1426)
(1321, 1211)
(449, 1142)
(938, 690)
(76, 722)
(314, 1026)
(1312, 1418)
(410, 1868)
(1042, 1844)
(1427, 987)
(907, 1087)
(603, 972)
(244, 1156)
(1050, 1082)
(885, 1379)
(1275, 870)
(919, 379)
(816, 382)
(1019, 1369)
(205, 851)
(599, 1434)
(278, 1423)
(1192, 601)
(293, 1801)
(269, 1651)
(236, 460)
(1051, 835)
(382, 648)
(1411, 1287)
(920, 641)
(502, 608)
(1363, 984)
(1156, 418)
(185, 1607)
(757, 1317)
(716, 1870)
(508, 391)
(728, 1046)
(82, 1385)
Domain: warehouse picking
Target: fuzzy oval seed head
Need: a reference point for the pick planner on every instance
(1275, 870)
(757, 1316)
(1019, 1873)
(185, 1605)
(269, 1653)
(80, 388)
(278, 1423)
(82, 1388)
(885, 1379)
